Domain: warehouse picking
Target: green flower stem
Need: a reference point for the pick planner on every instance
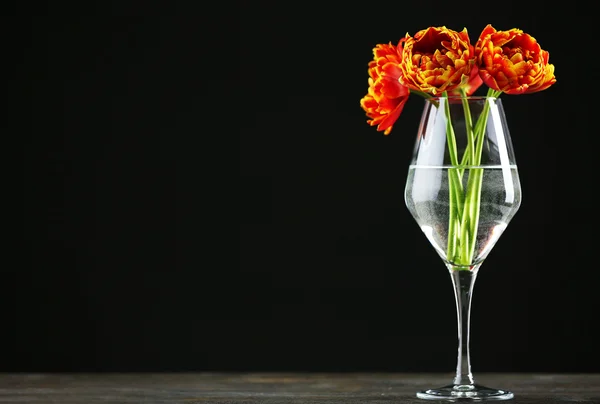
(456, 208)
(455, 183)
(481, 121)
(469, 124)
(465, 205)
(469, 157)
(472, 205)
(450, 136)
(478, 173)
(475, 201)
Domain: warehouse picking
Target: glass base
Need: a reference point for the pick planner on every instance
(466, 392)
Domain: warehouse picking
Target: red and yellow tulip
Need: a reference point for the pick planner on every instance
(437, 60)
(386, 96)
(513, 62)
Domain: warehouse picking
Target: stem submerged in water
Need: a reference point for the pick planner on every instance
(465, 203)
(454, 177)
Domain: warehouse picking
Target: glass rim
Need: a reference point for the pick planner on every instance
(460, 97)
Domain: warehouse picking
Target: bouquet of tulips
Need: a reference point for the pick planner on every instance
(440, 62)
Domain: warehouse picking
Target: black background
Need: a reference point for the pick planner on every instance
(135, 113)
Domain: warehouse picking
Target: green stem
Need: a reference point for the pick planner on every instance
(468, 124)
(479, 130)
(465, 206)
(477, 184)
(467, 160)
(456, 207)
(475, 203)
(450, 136)
(455, 185)
(472, 205)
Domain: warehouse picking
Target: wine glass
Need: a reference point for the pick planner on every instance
(463, 189)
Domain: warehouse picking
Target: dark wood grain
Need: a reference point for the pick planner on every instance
(284, 388)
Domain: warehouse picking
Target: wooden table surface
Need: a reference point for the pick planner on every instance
(284, 388)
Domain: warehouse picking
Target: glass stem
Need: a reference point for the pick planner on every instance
(463, 281)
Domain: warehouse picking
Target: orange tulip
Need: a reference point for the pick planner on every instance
(386, 97)
(438, 59)
(513, 62)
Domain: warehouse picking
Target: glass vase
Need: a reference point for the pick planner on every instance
(463, 189)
